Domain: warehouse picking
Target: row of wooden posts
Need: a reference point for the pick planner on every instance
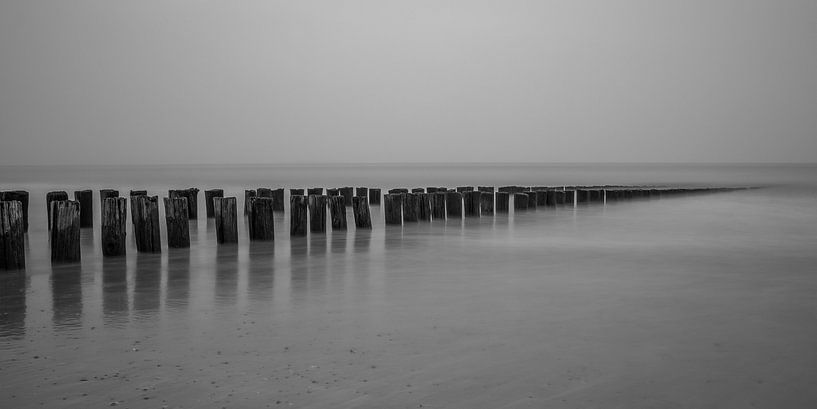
(307, 211)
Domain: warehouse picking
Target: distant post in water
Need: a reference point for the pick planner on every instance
(317, 213)
(85, 198)
(410, 202)
(12, 236)
(595, 195)
(295, 192)
(226, 215)
(472, 198)
(297, 215)
(486, 203)
(261, 221)
(374, 196)
(65, 227)
(393, 204)
(208, 201)
(249, 194)
(106, 193)
(453, 205)
(332, 192)
(520, 201)
(56, 196)
(278, 199)
(502, 202)
(347, 193)
(192, 196)
(438, 205)
(418, 190)
(463, 189)
(531, 199)
(360, 210)
(138, 193)
(424, 206)
(314, 191)
(582, 196)
(178, 222)
(20, 196)
(361, 192)
(337, 212)
(489, 189)
(542, 197)
(114, 218)
(146, 230)
(263, 192)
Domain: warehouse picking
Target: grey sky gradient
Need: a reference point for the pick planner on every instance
(264, 81)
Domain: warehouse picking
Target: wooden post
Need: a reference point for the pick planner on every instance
(410, 202)
(20, 196)
(12, 236)
(374, 195)
(594, 195)
(317, 213)
(263, 192)
(318, 191)
(360, 209)
(106, 193)
(437, 205)
(56, 196)
(531, 199)
(178, 222)
(393, 203)
(486, 203)
(453, 205)
(570, 197)
(361, 192)
(138, 193)
(489, 189)
(261, 221)
(417, 190)
(424, 206)
(248, 195)
(297, 215)
(192, 196)
(85, 198)
(541, 197)
(226, 215)
(65, 227)
(278, 199)
(550, 198)
(472, 199)
(332, 192)
(337, 212)
(208, 201)
(432, 189)
(146, 229)
(502, 202)
(114, 217)
(463, 189)
(347, 193)
(520, 201)
(295, 192)
(398, 191)
(582, 196)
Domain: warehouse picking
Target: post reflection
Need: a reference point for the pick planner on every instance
(227, 274)
(261, 271)
(298, 267)
(115, 303)
(338, 241)
(362, 241)
(317, 263)
(178, 279)
(13, 305)
(147, 285)
(66, 296)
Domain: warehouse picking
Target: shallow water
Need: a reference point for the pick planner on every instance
(691, 301)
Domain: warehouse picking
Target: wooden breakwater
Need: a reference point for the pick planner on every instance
(308, 212)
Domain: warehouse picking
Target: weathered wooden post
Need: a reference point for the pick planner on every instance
(594, 195)
(318, 191)
(263, 192)
(85, 198)
(106, 193)
(146, 229)
(453, 205)
(12, 236)
(486, 203)
(348, 193)
(463, 189)
(295, 192)
(582, 196)
(278, 199)
(520, 201)
(297, 215)
(472, 200)
(502, 202)
(531, 199)
(261, 221)
(65, 227)
(393, 203)
(178, 222)
(410, 203)
(138, 193)
(317, 213)
(374, 195)
(550, 198)
(424, 206)
(55, 196)
(432, 190)
(226, 215)
(570, 197)
(361, 192)
(557, 198)
(437, 205)
(114, 218)
(208, 201)
(20, 196)
(248, 195)
(398, 191)
(489, 189)
(417, 190)
(332, 191)
(337, 211)
(192, 196)
(360, 209)
(542, 197)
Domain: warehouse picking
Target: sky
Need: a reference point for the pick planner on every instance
(370, 81)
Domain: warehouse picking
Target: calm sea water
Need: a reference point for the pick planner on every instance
(705, 301)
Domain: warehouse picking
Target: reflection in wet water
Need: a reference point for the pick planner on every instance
(12, 304)
(178, 279)
(226, 274)
(66, 295)
(147, 283)
(115, 302)
(261, 271)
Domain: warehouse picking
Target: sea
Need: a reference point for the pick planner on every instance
(689, 301)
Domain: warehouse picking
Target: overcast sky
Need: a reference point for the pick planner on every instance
(264, 81)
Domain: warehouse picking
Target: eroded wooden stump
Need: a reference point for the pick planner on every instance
(423, 206)
(503, 202)
(361, 192)
(209, 195)
(249, 194)
(226, 215)
(453, 205)
(317, 191)
(438, 205)
(374, 196)
(146, 229)
(177, 217)
(278, 199)
(114, 231)
(360, 210)
(471, 203)
(393, 208)
(19, 196)
(12, 236)
(410, 203)
(85, 198)
(337, 212)
(520, 201)
(192, 196)
(65, 231)
(298, 215)
(486, 203)
(348, 193)
(531, 199)
(261, 220)
(55, 196)
(317, 213)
